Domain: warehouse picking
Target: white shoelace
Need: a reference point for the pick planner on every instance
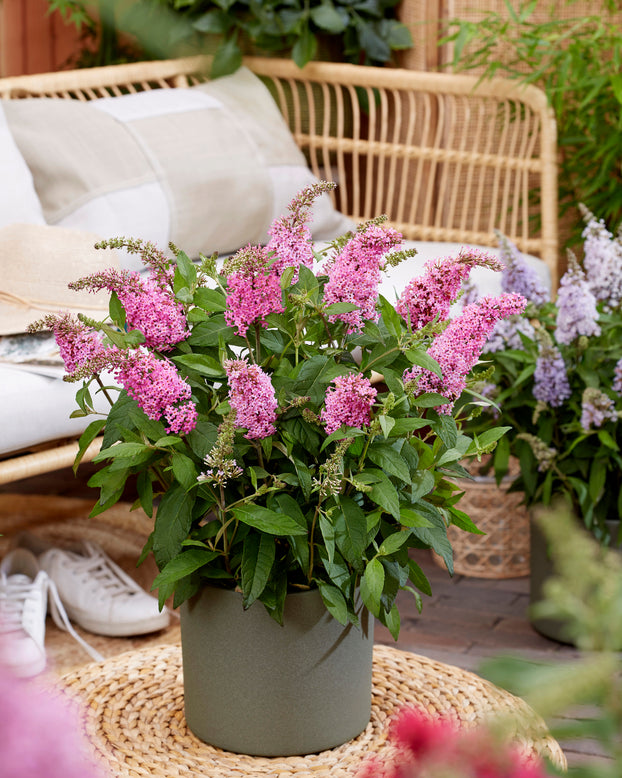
(15, 591)
(60, 618)
(109, 578)
(13, 596)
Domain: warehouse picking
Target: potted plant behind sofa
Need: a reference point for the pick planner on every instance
(287, 488)
(557, 382)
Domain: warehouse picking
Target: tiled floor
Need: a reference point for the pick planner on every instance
(464, 622)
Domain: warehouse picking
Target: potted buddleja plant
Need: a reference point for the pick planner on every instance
(554, 374)
(287, 484)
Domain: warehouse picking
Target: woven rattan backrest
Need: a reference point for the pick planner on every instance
(446, 158)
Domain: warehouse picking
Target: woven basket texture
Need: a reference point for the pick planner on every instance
(136, 725)
(503, 552)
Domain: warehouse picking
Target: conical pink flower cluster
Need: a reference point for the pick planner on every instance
(254, 289)
(429, 296)
(252, 397)
(459, 346)
(349, 402)
(150, 305)
(354, 274)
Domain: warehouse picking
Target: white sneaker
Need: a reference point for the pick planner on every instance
(23, 606)
(99, 596)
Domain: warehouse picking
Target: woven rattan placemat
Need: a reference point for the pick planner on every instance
(136, 724)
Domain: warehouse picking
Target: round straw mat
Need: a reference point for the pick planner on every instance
(136, 724)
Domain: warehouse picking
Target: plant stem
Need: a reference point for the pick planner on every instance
(104, 390)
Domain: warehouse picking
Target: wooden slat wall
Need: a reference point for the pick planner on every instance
(32, 40)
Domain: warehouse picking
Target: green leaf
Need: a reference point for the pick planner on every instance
(423, 359)
(423, 483)
(386, 424)
(340, 308)
(393, 543)
(436, 538)
(373, 579)
(227, 59)
(350, 529)
(334, 601)
(268, 521)
(87, 437)
(411, 518)
(187, 270)
(129, 451)
(184, 470)
(172, 524)
(257, 559)
(392, 622)
(429, 400)
(116, 310)
(201, 363)
(305, 48)
(210, 299)
(418, 578)
(384, 493)
(485, 440)
(328, 18)
(290, 507)
(184, 564)
(387, 458)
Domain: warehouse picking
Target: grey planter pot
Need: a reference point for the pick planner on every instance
(541, 570)
(254, 687)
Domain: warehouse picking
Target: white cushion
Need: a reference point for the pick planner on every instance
(208, 167)
(18, 199)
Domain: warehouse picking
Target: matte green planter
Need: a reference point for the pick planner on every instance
(541, 570)
(254, 687)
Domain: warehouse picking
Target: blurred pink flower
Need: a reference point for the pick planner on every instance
(40, 733)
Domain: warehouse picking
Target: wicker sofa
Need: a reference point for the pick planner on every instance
(450, 161)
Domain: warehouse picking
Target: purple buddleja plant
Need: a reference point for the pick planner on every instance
(557, 369)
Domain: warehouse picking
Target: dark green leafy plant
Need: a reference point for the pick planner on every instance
(555, 376)
(359, 31)
(578, 62)
(246, 412)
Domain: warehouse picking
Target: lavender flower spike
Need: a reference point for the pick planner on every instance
(550, 383)
(596, 409)
(603, 260)
(576, 305)
(518, 276)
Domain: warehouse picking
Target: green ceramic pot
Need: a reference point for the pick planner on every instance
(541, 570)
(255, 687)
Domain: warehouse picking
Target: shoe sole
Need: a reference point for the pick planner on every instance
(154, 624)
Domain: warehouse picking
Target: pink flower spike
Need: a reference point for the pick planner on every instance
(430, 296)
(460, 345)
(252, 397)
(158, 389)
(349, 402)
(149, 304)
(254, 288)
(354, 274)
(291, 239)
